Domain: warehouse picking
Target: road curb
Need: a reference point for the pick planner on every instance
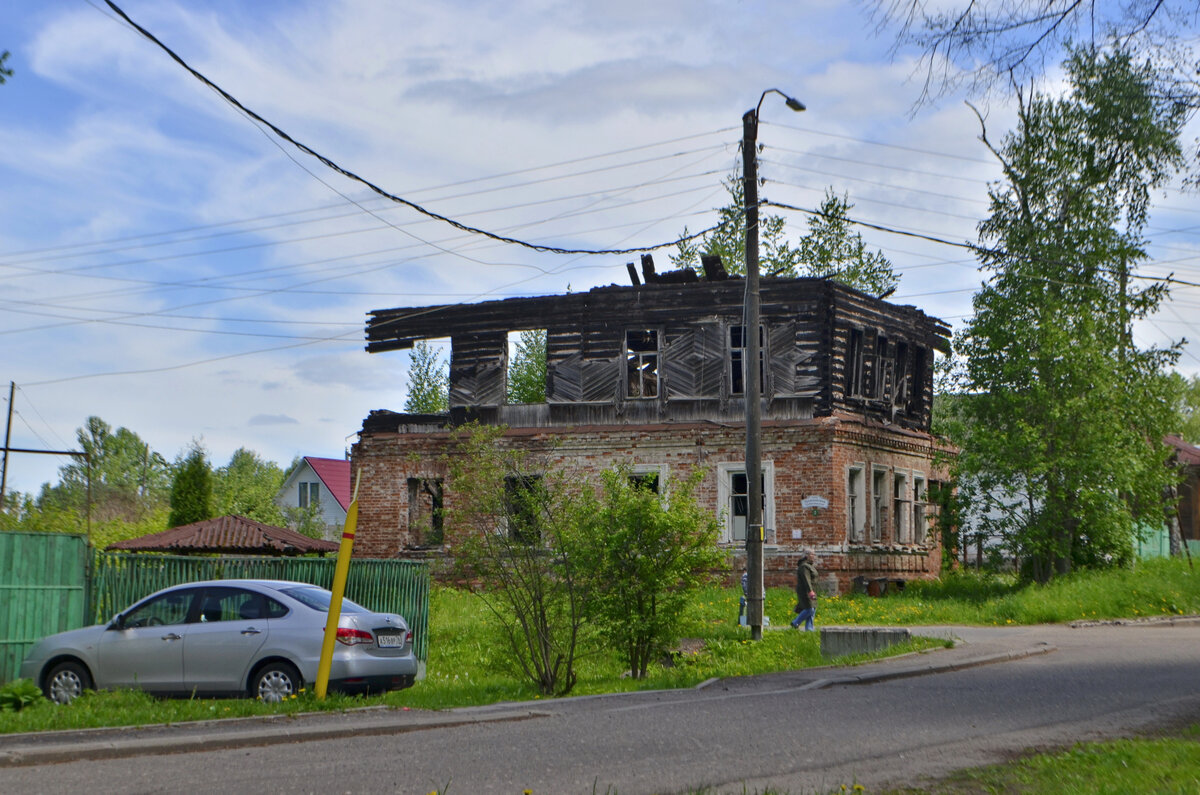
(72, 746)
(932, 668)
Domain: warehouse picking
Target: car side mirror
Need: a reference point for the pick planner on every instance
(118, 622)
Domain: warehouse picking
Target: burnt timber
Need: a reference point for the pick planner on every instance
(827, 348)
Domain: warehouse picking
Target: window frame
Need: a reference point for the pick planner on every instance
(856, 520)
(639, 375)
(725, 473)
(659, 471)
(879, 500)
(901, 504)
(920, 514)
(310, 494)
(736, 357)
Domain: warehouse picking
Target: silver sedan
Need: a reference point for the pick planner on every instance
(260, 638)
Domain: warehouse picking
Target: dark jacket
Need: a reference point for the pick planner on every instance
(806, 583)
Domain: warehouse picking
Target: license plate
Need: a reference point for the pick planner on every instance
(389, 641)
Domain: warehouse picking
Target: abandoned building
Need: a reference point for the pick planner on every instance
(650, 376)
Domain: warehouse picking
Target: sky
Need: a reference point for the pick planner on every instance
(172, 267)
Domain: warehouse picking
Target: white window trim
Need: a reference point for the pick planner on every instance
(856, 527)
(877, 535)
(902, 520)
(724, 471)
(653, 469)
(920, 497)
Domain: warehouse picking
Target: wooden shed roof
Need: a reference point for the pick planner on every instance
(228, 534)
(1186, 454)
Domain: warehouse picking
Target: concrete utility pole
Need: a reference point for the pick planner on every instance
(752, 379)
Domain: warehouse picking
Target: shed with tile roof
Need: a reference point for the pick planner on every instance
(230, 535)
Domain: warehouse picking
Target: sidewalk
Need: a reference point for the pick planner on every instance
(975, 646)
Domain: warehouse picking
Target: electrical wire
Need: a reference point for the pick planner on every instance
(330, 164)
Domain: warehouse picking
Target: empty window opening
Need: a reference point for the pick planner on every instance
(854, 363)
(641, 363)
(883, 367)
(901, 384)
(526, 367)
(737, 360)
(648, 481)
(524, 499)
(425, 510)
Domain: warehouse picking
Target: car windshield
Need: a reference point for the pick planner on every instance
(318, 599)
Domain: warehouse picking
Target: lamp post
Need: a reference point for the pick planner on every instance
(752, 381)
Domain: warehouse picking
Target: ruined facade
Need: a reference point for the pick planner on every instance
(651, 376)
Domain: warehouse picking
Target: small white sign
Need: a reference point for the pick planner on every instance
(814, 502)
(796, 535)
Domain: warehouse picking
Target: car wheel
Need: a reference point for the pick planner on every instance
(275, 682)
(66, 682)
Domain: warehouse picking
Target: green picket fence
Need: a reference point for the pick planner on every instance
(385, 586)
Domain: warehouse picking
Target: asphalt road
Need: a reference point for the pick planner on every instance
(889, 723)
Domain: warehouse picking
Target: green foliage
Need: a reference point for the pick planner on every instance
(19, 694)
(127, 478)
(511, 540)
(5, 72)
(247, 486)
(307, 521)
(1161, 764)
(1187, 403)
(191, 491)
(428, 381)
(831, 249)
(527, 371)
(1063, 414)
(642, 560)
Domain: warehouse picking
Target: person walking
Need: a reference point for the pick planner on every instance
(806, 594)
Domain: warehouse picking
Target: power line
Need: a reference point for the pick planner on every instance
(372, 186)
(943, 241)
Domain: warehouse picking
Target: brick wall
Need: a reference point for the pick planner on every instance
(808, 458)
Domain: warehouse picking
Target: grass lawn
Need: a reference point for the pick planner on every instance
(1158, 765)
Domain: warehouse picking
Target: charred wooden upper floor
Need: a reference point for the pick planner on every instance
(672, 352)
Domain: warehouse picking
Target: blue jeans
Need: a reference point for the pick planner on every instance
(806, 615)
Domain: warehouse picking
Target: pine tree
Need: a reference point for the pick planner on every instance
(191, 491)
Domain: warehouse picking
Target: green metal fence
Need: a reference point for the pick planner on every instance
(1156, 543)
(43, 590)
(53, 582)
(389, 586)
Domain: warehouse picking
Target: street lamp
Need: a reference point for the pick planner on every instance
(753, 375)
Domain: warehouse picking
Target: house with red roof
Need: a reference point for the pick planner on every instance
(322, 483)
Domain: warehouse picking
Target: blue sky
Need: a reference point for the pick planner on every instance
(169, 266)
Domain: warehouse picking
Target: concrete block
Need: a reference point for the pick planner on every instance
(840, 641)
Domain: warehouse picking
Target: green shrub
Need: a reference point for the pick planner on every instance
(18, 694)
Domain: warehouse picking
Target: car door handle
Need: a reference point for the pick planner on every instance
(172, 636)
(251, 631)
